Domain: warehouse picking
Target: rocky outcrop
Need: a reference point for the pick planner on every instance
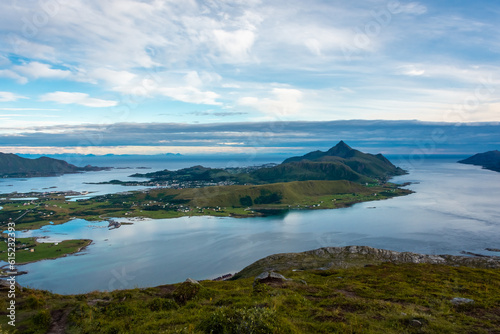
(357, 256)
(192, 281)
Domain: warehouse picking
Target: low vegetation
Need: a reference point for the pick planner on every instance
(383, 298)
(30, 250)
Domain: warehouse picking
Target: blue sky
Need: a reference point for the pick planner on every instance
(70, 65)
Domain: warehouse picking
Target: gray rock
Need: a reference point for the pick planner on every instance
(263, 275)
(416, 323)
(192, 281)
(358, 256)
(460, 300)
(272, 274)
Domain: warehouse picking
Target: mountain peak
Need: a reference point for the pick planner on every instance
(341, 149)
(342, 145)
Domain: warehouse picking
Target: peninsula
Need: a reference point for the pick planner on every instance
(12, 165)
(488, 160)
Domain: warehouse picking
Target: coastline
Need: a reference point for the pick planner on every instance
(55, 208)
(62, 244)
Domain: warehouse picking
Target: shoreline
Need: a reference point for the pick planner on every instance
(87, 243)
(213, 211)
(331, 258)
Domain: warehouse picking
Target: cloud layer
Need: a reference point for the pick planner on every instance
(393, 137)
(152, 61)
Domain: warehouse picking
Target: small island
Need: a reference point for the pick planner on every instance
(488, 160)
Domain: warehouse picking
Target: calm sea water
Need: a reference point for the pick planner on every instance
(454, 209)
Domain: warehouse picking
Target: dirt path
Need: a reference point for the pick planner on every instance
(59, 322)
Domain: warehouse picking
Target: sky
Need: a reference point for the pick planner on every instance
(73, 72)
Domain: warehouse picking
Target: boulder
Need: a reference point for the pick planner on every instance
(268, 277)
(192, 281)
(460, 300)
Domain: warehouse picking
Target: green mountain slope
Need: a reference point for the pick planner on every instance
(309, 170)
(488, 160)
(12, 165)
(197, 173)
(289, 193)
(360, 164)
(341, 162)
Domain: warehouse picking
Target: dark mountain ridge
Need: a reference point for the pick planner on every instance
(354, 165)
(12, 165)
(488, 160)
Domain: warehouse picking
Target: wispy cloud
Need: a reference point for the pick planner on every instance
(31, 109)
(10, 97)
(38, 70)
(285, 102)
(77, 98)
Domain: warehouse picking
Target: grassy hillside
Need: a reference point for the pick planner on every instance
(382, 298)
(197, 173)
(309, 170)
(357, 164)
(290, 193)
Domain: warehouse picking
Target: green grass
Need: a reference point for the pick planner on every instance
(386, 298)
(42, 251)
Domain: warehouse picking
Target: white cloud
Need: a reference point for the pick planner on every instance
(77, 98)
(411, 70)
(285, 102)
(410, 8)
(30, 109)
(464, 74)
(190, 94)
(10, 97)
(189, 87)
(234, 46)
(38, 70)
(115, 79)
(13, 75)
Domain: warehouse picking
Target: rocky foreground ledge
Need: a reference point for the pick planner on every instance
(357, 256)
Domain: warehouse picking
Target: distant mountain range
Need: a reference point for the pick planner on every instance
(341, 162)
(488, 160)
(12, 165)
(72, 155)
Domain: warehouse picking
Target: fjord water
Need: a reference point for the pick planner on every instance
(454, 208)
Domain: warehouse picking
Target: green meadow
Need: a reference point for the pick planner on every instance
(383, 298)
